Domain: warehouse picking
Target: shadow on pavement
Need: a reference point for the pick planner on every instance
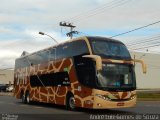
(83, 110)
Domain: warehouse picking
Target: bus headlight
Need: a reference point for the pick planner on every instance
(104, 97)
(132, 97)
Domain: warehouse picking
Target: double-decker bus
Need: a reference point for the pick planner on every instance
(88, 72)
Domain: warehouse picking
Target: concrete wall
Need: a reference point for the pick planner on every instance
(6, 76)
(152, 78)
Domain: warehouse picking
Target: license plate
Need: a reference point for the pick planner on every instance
(120, 104)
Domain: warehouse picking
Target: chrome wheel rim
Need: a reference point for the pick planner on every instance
(28, 100)
(23, 99)
(72, 102)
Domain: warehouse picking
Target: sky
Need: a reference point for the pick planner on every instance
(21, 20)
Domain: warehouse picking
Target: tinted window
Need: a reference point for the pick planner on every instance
(52, 79)
(118, 76)
(52, 53)
(59, 53)
(64, 51)
(110, 49)
(86, 71)
(74, 48)
(70, 49)
(79, 47)
(22, 62)
(44, 55)
(38, 58)
(33, 59)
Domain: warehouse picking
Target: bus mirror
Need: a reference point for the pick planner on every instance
(97, 59)
(144, 67)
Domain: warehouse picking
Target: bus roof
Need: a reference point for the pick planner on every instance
(75, 39)
(103, 38)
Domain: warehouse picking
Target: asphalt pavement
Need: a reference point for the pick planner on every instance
(14, 109)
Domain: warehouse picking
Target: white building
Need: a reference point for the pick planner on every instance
(152, 78)
(6, 76)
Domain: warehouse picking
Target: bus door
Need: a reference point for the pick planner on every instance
(86, 73)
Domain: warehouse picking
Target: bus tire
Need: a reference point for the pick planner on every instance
(27, 97)
(70, 103)
(23, 98)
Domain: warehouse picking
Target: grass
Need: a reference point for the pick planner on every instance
(148, 96)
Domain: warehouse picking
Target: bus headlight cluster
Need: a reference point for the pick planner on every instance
(104, 97)
(132, 97)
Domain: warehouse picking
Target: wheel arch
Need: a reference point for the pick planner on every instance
(70, 101)
(21, 93)
(69, 93)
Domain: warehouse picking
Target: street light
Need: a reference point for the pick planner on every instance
(42, 33)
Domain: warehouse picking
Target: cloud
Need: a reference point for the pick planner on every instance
(12, 49)
(21, 20)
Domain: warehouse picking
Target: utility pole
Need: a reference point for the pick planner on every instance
(65, 24)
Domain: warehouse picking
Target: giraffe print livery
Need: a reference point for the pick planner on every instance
(85, 97)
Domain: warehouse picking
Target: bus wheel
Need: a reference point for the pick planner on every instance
(71, 102)
(23, 99)
(27, 98)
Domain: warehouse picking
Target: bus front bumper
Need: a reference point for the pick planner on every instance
(100, 103)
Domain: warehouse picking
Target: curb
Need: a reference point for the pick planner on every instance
(6, 94)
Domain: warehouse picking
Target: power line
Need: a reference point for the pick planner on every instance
(149, 41)
(147, 46)
(102, 11)
(143, 40)
(135, 29)
(97, 10)
(144, 44)
(87, 12)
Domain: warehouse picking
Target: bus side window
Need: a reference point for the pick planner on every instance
(38, 58)
(43, 56)
(64, 51)
(52, 56)
(59, 52)
(20, 63)
(52, 79)
(79, 48)
(32, 59)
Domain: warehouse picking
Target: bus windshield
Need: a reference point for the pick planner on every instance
(117, 77)
(110, 49)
